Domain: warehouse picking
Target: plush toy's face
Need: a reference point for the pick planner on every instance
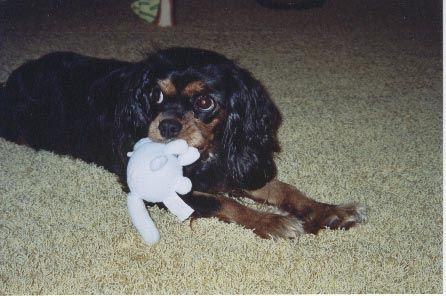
(158, 163)
(152, 173)
(155, 170)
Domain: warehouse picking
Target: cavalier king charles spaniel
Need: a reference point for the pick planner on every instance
(96, 109)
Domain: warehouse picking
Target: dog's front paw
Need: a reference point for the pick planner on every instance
(336, 217)
(272, 225)
(346, 216)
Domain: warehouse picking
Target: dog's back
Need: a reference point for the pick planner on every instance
(44, 100)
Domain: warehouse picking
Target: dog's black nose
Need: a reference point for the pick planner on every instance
(169, 128)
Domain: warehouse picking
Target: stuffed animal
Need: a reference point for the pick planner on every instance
(155, 174)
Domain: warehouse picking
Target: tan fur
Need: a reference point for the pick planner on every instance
(316, 215)
(193, 88)
(154, 132)
(167, 87)
(266, 225)
(194, 131)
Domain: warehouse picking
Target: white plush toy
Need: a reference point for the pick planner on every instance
(155, 174)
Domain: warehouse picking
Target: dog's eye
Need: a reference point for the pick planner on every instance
(204, 103)
(157, 96)
(160, 98)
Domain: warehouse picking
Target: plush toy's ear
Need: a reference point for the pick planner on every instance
(176, 147)
(189, 157)
(141, 143)
(250, 134)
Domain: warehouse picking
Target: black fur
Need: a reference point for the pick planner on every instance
(96, 109)
(249, 138)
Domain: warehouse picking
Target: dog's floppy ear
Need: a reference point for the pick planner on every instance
(250, 134)
(123, 97)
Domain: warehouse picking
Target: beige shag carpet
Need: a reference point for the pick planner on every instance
(359, 84)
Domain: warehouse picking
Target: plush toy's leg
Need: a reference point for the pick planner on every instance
(178, 207)
(141, 219)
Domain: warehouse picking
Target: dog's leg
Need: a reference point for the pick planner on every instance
(315, 215)
(264, 224)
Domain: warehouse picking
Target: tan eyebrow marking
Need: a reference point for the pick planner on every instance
(167, 87)
(193, 88)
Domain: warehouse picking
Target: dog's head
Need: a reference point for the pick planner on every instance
(216, 106)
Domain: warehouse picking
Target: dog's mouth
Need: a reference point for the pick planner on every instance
(196, 133)
(201, 149)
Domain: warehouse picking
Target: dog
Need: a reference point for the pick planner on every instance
(96, 109)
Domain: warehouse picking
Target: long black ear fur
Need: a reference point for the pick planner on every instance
(250, 135)
(123, 99)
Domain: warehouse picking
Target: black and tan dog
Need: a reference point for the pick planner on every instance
(96, 109)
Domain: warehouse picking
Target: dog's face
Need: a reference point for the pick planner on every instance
(216, 106)
(187, 107)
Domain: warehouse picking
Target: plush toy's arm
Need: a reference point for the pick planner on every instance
(141, 219)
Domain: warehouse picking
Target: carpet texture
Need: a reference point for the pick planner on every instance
(359, 85)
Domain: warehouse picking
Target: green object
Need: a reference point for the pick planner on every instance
(146, 9)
